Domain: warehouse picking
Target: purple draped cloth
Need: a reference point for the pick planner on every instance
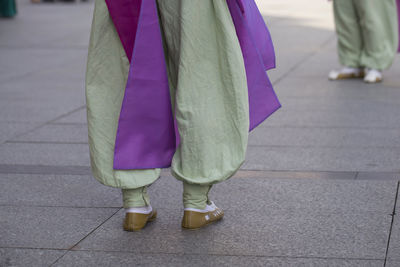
(147, 136)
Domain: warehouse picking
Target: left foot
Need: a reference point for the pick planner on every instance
(373, 76)
(195, 218)
(137, 218)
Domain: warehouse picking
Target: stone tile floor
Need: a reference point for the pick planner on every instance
(319, 186)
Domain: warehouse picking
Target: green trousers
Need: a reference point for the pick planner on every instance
(208, 89)
(194, 196)
(367, 32)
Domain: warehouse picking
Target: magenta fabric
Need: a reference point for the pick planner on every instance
(146, 136)
(125, 15)
(259, 55)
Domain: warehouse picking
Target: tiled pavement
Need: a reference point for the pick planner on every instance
(318, 188)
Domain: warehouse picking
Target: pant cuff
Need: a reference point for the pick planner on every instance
(133, 198)
(195, 196)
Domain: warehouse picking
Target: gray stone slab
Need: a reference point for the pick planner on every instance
(268, 233)
(30, 28)
(45, 169)
(19, 104)
(89, 258)
(287, 195)
(56, 190)
(320, 118)
(28, 257)
(48, 227)
(295, 175)
(378, 176)
(391, 263)
(325, 137)
(78, 117)
(34, 60)
(58, 133)
(45, 154)
(367, 159)
(394, 246)
(8, 130)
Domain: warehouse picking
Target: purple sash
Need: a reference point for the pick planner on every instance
(146, 135)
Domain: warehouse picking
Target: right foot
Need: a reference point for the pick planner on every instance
(137, 218)
(346, 73)
(195, 218)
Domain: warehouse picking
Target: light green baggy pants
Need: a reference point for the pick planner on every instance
(367, 32)
(208, 90)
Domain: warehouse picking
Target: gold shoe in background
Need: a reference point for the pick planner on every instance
(346, 73)
(137, 221)
(195, 219)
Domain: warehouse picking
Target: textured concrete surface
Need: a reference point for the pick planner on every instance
(319, 186)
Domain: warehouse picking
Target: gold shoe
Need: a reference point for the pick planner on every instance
(136, 221)
(346, 73)
(195, 219)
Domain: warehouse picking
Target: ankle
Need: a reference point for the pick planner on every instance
(195, 196)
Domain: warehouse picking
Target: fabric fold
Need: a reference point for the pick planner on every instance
(146, 135)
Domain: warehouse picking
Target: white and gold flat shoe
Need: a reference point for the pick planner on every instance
(136, 219)
(346, 73)
(196, 218)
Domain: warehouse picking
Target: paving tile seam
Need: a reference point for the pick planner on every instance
(44, 169)
(43, 47)
(226, 210)
(242, 174)
(71, 123)
(33, 248)
(383, 128)
(305, 59)
(93, 230)
(266, 126)
(250, 145)
(327, 146)
(44, 142)
(391, 224)
(60, 206)
(45, 123)
(227, 255)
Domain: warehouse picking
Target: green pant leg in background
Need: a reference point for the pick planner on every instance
(349, 33)
(209, 89)
(8, 8)
(379, 24)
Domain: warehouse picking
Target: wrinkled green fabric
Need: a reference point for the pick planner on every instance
(208, 90)
(133, 198)
(367, 32)
(107, 72)
(208, 87)
(195, 196)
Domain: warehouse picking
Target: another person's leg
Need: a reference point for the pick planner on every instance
(349, 40)
(208, 84)
(378, 20)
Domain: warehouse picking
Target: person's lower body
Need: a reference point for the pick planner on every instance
(8, 8)
(367, 38)
(209, 94)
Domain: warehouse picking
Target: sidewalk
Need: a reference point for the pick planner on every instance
(318, 188)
